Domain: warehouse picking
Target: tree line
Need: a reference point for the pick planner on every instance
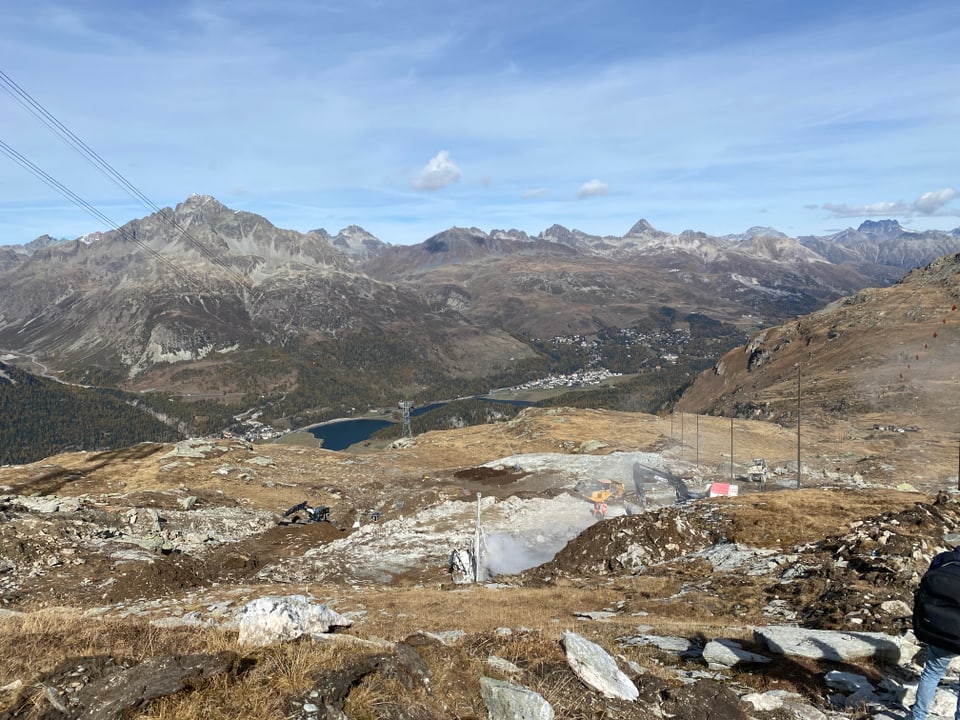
(40, 417)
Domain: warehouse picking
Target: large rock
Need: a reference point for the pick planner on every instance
(836, 645)
(270, 620)
(108, 688)
(505, 701)
(727, 653)
(594, 666)
(677, 645)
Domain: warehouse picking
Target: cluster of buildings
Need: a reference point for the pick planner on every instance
(580, 378)
(251, 428)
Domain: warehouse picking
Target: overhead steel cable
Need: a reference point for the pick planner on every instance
(76, 199)
(35, 108)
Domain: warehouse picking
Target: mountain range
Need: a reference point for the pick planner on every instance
(208, 302)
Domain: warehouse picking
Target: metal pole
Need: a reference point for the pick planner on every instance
(476, 546)
(798, 428)
(698, 442)
(731, 449)
(681, 434)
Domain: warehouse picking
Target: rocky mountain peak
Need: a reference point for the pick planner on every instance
(196, 202)
(559, 234)
(761, 231)
(695, 235)
(322, 232)
(41, 242)
(880, 228)
(642, 228)
(454, 240)
(515, 235)
(357, 242)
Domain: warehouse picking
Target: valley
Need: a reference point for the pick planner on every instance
(220, 570)
(206, 313)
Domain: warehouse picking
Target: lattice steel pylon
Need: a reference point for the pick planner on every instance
(405, 406)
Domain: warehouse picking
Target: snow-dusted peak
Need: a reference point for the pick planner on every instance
(353, 240)
(196, 203)
(90, 238)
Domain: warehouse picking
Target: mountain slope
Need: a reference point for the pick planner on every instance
(888, 354)
(201, 299)
(565, 282)
(40, 417)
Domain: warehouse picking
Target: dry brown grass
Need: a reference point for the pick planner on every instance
(262, 692)
(784, 518)
(36, 642)
(394, 613)
(33, 644)
(372, 697)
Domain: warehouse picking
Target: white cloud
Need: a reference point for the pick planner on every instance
(535, 193)
(592, 188)
(439, 172)
(877, 208)
(930, 203)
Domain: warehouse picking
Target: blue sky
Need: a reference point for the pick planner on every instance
(408, 117)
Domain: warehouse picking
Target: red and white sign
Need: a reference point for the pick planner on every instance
(723, 490)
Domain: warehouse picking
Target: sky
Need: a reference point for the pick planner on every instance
(408, 117)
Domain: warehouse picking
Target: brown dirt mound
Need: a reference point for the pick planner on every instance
(625, 544)
(166, 574)
(496, 477)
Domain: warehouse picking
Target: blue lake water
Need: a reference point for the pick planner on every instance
(341, 434)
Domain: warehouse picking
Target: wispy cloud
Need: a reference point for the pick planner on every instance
(592, 188)
(723, 111)
(535, 193)
(438, 173)
(930, 203)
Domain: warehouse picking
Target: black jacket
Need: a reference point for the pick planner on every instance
(936, 603)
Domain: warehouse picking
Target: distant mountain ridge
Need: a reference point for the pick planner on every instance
(211, 302)
(883, 248)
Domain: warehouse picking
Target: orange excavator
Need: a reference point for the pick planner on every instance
(600, 491)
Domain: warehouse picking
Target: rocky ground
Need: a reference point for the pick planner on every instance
(175, 541)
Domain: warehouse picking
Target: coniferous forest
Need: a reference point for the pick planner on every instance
(40, 417)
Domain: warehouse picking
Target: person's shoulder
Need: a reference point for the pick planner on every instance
(948, 556)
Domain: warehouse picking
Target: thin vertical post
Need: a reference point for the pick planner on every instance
(698, 443)
(681, 434)
(476, 546)
(798, 426)
(731, 449)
